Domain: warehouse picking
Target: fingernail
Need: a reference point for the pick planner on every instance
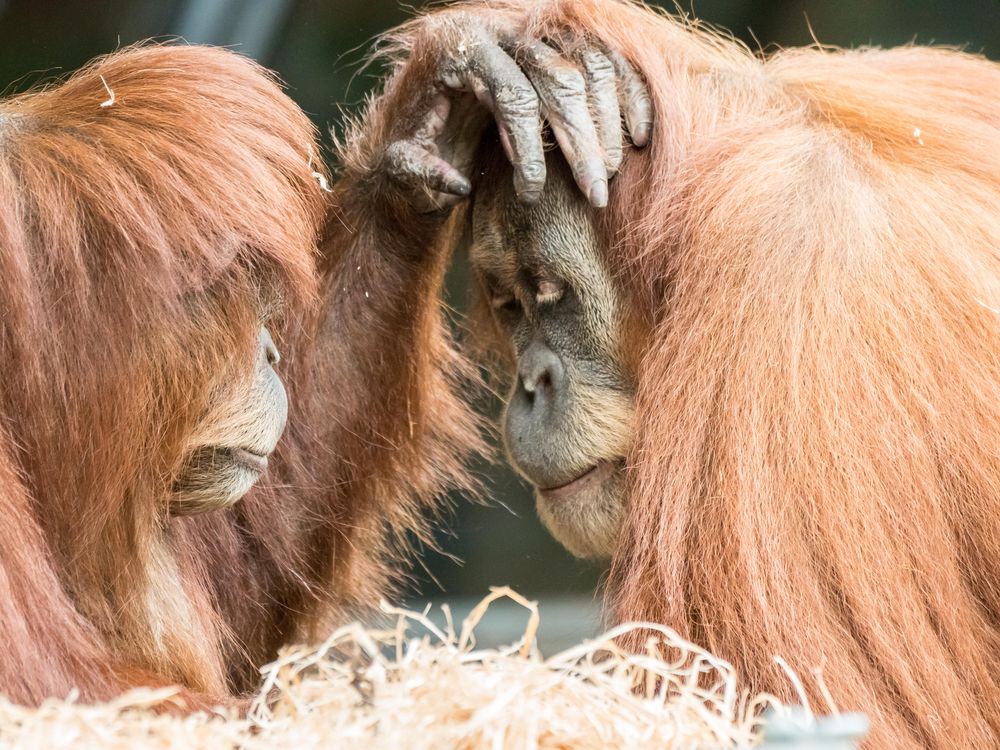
(461, 187)
(599, 194)
(641, 135)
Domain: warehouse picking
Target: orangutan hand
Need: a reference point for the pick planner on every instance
(464, 66)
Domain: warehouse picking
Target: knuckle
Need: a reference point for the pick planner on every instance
(622, 66)
(567, 82)
(402, 160)
(516, 98)
(639, 99)
(599, 67)
(450, 73)
(533, 170)
(395, 155)
(434, 177)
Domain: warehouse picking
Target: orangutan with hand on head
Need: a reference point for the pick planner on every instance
(765, 381)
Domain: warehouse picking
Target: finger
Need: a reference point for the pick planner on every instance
(602, 95)
(635, 99)
(415, 166)
(500, 85)
(434, 120)
(563, 93)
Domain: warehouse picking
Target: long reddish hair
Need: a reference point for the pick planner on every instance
(812, 240)
(138, 201)
(152, 207)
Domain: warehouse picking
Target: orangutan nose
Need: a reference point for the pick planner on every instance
(270, 395)
(535, 413)
(540, 374)
(267, 349)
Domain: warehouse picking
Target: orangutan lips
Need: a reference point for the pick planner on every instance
(593, 477)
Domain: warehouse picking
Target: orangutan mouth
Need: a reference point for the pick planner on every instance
(250, 460)
(595, 476)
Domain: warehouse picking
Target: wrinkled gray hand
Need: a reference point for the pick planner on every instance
(480, 67)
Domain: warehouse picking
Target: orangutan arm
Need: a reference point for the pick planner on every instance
(401, 431)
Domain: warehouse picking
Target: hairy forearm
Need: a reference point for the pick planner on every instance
(383, 347)
(398, 430)
(382, 267)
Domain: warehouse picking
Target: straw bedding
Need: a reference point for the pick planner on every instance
(415, 685)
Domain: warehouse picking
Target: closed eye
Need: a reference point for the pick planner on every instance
(549, 292)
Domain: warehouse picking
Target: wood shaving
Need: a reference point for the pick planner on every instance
(419, 686)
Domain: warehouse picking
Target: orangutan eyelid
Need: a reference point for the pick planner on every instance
(548, 291)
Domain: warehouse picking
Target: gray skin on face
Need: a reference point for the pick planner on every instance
(567, 421)
(229, 450)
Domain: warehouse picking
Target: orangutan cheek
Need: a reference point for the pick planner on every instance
(230, 451)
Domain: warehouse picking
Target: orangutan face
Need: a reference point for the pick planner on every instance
(567, 422)
(231, 447)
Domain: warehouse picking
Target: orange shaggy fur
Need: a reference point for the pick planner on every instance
(813, 242)
(136, 241)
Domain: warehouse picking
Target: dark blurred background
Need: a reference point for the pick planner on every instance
(316, 47)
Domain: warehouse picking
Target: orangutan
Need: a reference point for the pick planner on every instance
(765, 381)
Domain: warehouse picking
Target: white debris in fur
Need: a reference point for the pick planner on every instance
(111, 94)
(324, 184)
